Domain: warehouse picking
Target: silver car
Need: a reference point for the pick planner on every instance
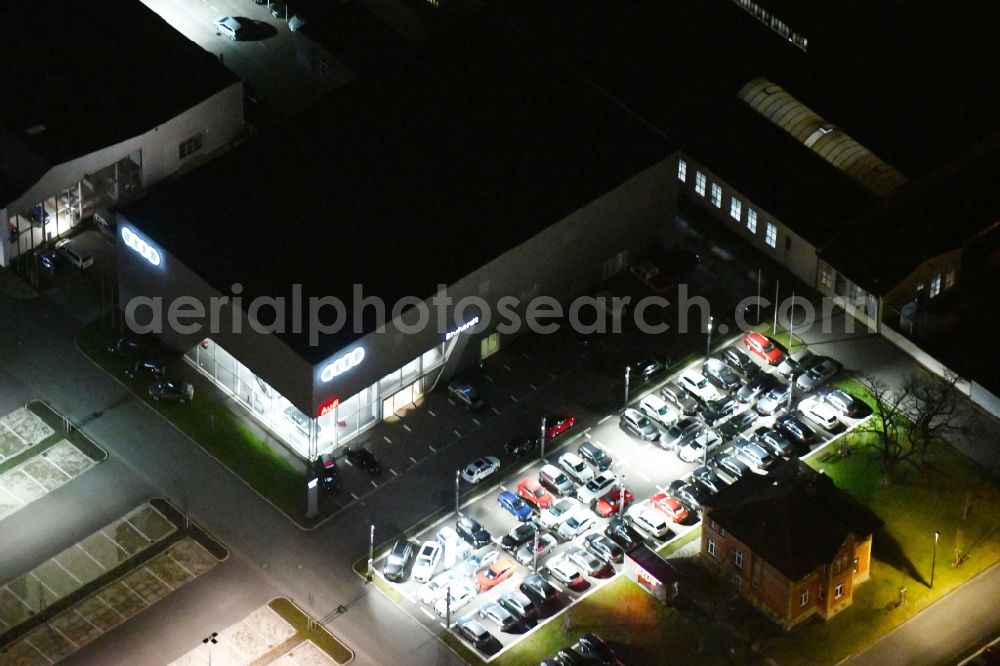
(636, 424)
(818, 374)
(680, 433)
(499, 616)
(589, 563)
(773, 401)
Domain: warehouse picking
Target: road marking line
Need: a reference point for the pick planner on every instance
(604, 419)
(407, 428)
(386, 438)
(413, 460)
(488, 378)
(552, 376)
(533, 387)
(428, 613)
(348, 462)
(393, 472)
(354, 496)
(495, 410)
(513, 397)
(476, 421)
(431, 412)
(433, 450)
(375, 485)
(457, 433)
(643, 477)
(506, 367)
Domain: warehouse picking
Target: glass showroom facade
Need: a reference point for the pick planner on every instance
(342, 422)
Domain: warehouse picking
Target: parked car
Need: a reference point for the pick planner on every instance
(597, 486)
(756, 387)
(278, 9)
(228, 27)
(148, 367)
(532, 492)
(698, 385)
(472, 532)
(588, 563)
(622, 533)
(365, 459)
(553, 516)
(680, 433)
(843, 402)
(818, 374)
(719, 372)
(737, 424)
(612, 501)
(649, 520)
(521, 445)
(688, 493)
(456, 597)
(171, 390)
(500, 616)
(480, 469)
(429, 592)
(794, 429)
(795, 364)
(604, 547)
(558, 424)
(518, 536)
(519, 604)
(595, 455)
(595, 648)
(764, 347)
(466, 395)
(731, 466)
(773, 401)
(325, 469)
(679, 397)
(74, 254)
(575, 467)
(493, 575)
(564, 571)
(556, 481)
(567, 656)
(739, 361)
(670, 507)
(125, 345)
(695, 450)
(819, 412)
(579, 522)
(540, 590)
(514, 505)
(526, 553)
(720, 409)
(634, 423)
(648, 369)
(656, 409)
(397, 560)
(754, 454)
(773, 441)
(427, 561)
(708, 479)
(475, 633)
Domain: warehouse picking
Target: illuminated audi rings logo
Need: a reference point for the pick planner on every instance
(349, 360)
(140, 246)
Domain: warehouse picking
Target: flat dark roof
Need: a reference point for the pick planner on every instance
(448, 158)
(91, 74)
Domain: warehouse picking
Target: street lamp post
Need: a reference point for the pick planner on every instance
(458, 479)
(447, 608)
(534, 562)
(210, 640)
(774, 330)
(708, 345)
(937, 535)
(541, 439)
(371, 551)
(621, 495)
(628, 373)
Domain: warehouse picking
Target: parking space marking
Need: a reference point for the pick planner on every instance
(433, 450)
(407, 428)
(413, 460)
(604, 419)
(386, 438)
(348, 462)
(457, 433)
(394, 473)
(428, 613)
(495, 410)
(506, 367)
(476, 421)
(354, 496)
(431, 412)
(374, 485)
(488, 378)
(533, 387)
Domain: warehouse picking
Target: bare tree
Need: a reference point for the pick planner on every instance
(933, 407)
(888, 423)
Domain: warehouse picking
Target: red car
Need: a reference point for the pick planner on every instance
(763, 346)
(497, 573)
(533, 493)
(557, 425)
(609, 505)
(670, 506)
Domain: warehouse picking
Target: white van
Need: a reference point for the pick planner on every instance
(556, 480)
(74, 255)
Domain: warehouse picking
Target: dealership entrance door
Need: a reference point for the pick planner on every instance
(401, 400)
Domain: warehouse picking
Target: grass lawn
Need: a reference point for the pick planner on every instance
(856, 389)
(785, 339)
(216, 429)
(307, 631)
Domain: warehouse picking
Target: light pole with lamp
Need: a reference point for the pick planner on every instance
(708, 345)
(628, 373)
(210, 640)
(937, 535)
(371, 551)
(541, 439)
(621, 495)
(458, 480)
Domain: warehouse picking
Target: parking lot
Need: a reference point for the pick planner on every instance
(645, 468)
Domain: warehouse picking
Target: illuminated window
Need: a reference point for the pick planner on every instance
(935, 285)
(699, 183)
(949, 278)
(190, 145)
(855, 565)
(739, 559)
(838, 592)
(855, 292)
(826, 275)
(771, 235)
(752, 221)
(804, 598)
(921, 286)
(711, 547)
(716, 196)
(735, 209)
(682, 171)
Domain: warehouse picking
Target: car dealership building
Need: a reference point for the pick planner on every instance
(496, 178)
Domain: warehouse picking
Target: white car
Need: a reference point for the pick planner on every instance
(480, 469)
(588, 562)
(578, 523)
(649, 520)
(597, 487)
(427, 561)
(558, 512)
(698, 385)
(576, 467)
(820, 412)
(74, 255)
(657, 409)
(694, 450)
(564, 571)
(434, 589)
(460, 594)
(229, 27)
